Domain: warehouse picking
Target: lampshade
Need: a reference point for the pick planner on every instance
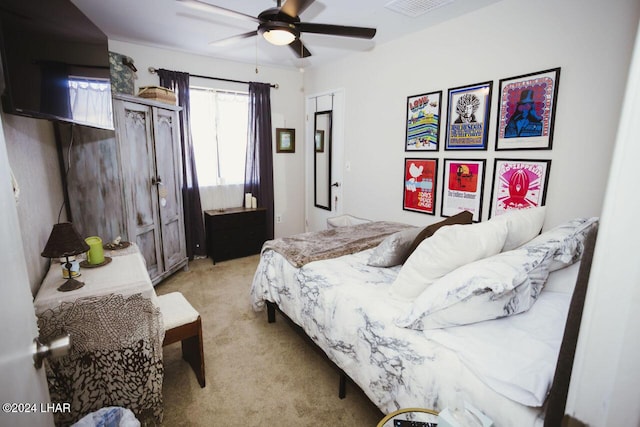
(278, 33)
(279, 37)
(64, 241)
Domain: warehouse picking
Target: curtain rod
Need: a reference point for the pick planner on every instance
(276, 86)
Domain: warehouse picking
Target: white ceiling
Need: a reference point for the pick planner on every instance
(170, 24)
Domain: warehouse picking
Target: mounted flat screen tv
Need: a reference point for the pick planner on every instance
(55, 63)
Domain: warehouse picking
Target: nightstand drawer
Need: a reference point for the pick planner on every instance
(238, 220)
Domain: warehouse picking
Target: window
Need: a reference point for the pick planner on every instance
(90, 101)
(219, 132)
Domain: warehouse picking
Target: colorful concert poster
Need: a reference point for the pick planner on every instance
(519, 184)
(420, 185)
(468, 118)
(423, 122)
(464, 182)
(527, 111)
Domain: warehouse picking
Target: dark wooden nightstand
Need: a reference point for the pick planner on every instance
(235, 232)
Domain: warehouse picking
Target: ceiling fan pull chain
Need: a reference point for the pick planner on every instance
(256, 55)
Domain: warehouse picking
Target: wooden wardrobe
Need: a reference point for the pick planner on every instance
(128, 182)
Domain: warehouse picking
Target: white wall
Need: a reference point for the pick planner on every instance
(21, 382)
(287, 107)
(33, 158)
(590, 40)
(604, 388)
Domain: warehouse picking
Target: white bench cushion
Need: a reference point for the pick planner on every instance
(176, 310)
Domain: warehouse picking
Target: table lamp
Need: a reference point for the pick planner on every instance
(65, 241)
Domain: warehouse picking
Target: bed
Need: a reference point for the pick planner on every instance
(484, 324)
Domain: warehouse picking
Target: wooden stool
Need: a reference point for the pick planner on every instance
(182, 323)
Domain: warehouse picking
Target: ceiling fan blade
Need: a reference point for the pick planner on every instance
(293, 8)
(299, 49)
(230, 40)
(208, 7)
(336, 30)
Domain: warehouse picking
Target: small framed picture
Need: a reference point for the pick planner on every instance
(518, 184)
(423, 122)
(319, 141)
(468, 118)
(462, 187)
(527, 110)
(419, 186)
(285, 140)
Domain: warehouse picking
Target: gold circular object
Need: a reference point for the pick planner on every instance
(432, 415)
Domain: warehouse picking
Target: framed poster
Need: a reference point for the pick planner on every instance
(285, 140)
(462, 187)
(423, 122)
(518, 184)
(419, 186)
(468, 118)
(527, 110)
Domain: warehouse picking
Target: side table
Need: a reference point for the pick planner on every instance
(410, 417)
(116, 330)
(235, 232)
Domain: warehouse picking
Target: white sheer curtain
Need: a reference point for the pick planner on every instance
(91, 101)
(219, 132)
(221, 196)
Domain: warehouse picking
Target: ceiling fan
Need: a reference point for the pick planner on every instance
(281, 25)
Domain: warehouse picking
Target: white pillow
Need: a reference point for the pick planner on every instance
(490, 288)
(498, 286)
(569, 238)
(449, 248)
(393, 249)
(522, 224)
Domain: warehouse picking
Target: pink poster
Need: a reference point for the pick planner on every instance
(519, 184)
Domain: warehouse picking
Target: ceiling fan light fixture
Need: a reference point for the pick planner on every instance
(279, 34)
(279, 37)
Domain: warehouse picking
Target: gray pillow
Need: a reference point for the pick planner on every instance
(393, 249)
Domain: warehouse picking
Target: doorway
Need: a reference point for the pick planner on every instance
(316, 217)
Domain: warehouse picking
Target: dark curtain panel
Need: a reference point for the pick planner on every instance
(193, 224)
(258, 177)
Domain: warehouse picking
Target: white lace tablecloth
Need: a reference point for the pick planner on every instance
(116, 339)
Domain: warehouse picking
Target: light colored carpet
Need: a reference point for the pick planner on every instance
(257, 373)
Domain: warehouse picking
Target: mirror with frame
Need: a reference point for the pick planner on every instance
(322, 160)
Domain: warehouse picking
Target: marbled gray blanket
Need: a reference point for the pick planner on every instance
(303, 248)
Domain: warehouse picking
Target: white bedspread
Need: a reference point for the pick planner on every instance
(345, 307)
(514, 356)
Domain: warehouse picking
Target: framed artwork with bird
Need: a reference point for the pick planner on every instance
(419, 186)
